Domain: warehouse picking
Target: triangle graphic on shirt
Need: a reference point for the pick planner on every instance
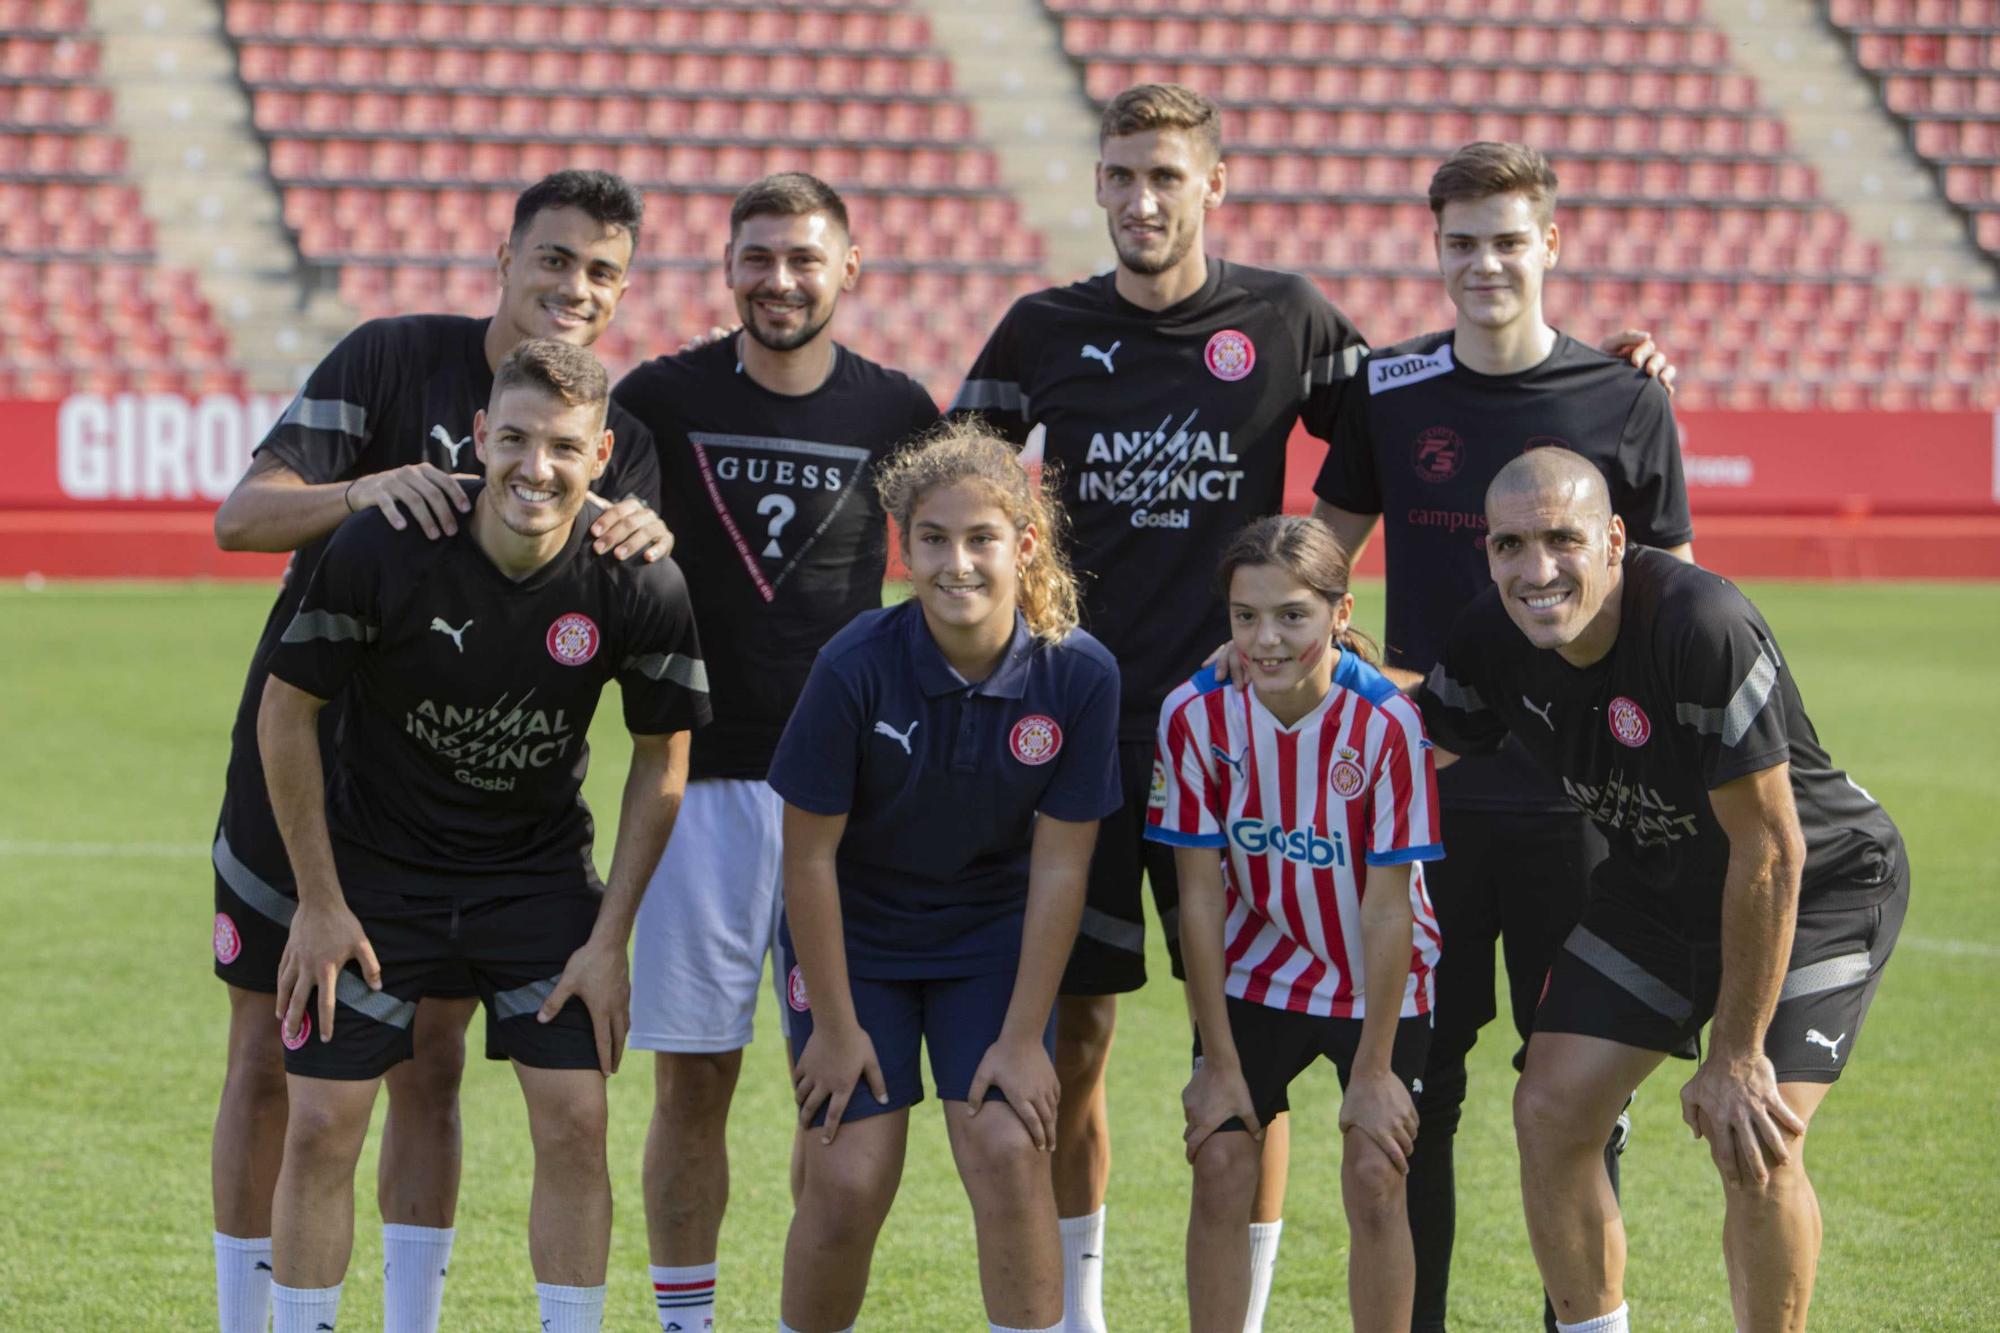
(750, 467)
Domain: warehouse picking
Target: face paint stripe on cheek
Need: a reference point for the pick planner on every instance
(1309, 657)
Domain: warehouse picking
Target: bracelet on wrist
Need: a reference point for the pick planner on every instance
(347, 496)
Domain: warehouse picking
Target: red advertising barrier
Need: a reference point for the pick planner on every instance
(123, 486)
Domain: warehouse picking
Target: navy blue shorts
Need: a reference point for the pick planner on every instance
(956, 1018)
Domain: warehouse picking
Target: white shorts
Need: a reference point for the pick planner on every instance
(708, 918)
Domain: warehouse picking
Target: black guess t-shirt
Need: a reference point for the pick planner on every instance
(1694, 694)
(1168, 428)
(392, 393)
(460, 762)
(772, 502)
(1419, 441)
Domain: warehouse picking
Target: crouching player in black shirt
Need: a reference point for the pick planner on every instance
(452, 838)
(1748, 880)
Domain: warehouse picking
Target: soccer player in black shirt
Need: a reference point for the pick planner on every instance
(1430, 423)
(452, 839)
(768, 444)
(383, 423)
(1747, 880)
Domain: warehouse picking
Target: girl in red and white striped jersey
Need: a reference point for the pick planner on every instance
(1310, 933)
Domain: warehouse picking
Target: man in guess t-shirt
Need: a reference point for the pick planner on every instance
(1430, 423)
(768, 444)
(384, 422)
(1747, 880)
(452, 840)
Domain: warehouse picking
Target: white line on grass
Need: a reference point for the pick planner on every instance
(1959, 948)
(102, 850)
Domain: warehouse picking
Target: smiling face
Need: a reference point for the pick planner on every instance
(787, 274)
(563, 276)
(1494, 253)
(1156, 188)
(1285, 631)
(965, 557)
(1556, 554)
(541, 455)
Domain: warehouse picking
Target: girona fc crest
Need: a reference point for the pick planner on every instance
(1347, 780)
(1036, 739)
(296, 1039)
(1629, 723)
(795, 990)
(228, 943)
(573, 639)
(1230, 355)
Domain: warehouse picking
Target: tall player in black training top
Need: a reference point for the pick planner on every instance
(768, 445)
(1165, 391)
(383, 423)
(452, 839)
(1430, 423)
(1748, 880)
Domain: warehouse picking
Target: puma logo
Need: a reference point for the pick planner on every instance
(455, 635)
(901, 738)
(1542, 712)
(1235, 763)
(1090, 351)
(260, 1267)
(1832, 1044)
(443, 437)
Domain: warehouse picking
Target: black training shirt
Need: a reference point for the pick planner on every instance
(1168, 428)
(1693, 694)
(771, 498)
(1419, 441)
(460, 763)
(391, 393)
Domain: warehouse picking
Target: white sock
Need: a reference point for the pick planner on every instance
(304, 1309)
(1008, 1328)
(1263, 1262)
(243, 1283)
(1615, 1322)
(570, 1309)
(685, 1297)
(414, 1261)
(1083, 1272)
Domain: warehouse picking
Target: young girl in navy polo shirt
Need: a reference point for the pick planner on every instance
(1310, 934)
(943, 774)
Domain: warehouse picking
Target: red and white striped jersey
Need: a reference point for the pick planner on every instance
(1300, 813)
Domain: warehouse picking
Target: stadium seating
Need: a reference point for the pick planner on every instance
(90, 308)
(1682, 207)
(1938, 64)
(400, 131)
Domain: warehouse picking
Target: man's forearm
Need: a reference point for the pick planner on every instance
(654, 787)
(1760, 897)
(274, 509)
(288, 742)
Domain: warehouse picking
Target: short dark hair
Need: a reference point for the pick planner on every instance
(607, 198)
(559, 369)
(1162, 106)
(1481, 170)
(787, 194)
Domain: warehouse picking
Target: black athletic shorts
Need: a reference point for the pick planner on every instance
(1631, 980)
(252, 918)
(1275, 1046)
(514, 948)
(1109, 956)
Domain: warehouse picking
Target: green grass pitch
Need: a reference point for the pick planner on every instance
(115, 712)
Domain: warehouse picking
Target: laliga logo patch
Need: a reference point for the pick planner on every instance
(795, 991)
(1158, 798)
(228, 943)
(1348, 780)
(1036, 739)
(1230, 355)
(1629, 723)
(573, 639)
(296, 1039)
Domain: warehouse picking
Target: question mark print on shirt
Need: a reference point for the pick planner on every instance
(781, 509)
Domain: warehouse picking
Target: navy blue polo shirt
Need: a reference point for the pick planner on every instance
(941, 781)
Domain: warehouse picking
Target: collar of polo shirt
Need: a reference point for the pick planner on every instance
(1008, 681)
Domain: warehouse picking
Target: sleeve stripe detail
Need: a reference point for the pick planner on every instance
(523, 1000)
(1628, 976)
(1332, 369)
(1175, 838)
(1732, 721)
(1430, 851)
(1825, 975)
(327, 414)
(331, 626)
(1452, 694)
(985, 395)
(688, 672)
(1128, 936)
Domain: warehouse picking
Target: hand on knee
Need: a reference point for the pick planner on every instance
(994, 1148)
